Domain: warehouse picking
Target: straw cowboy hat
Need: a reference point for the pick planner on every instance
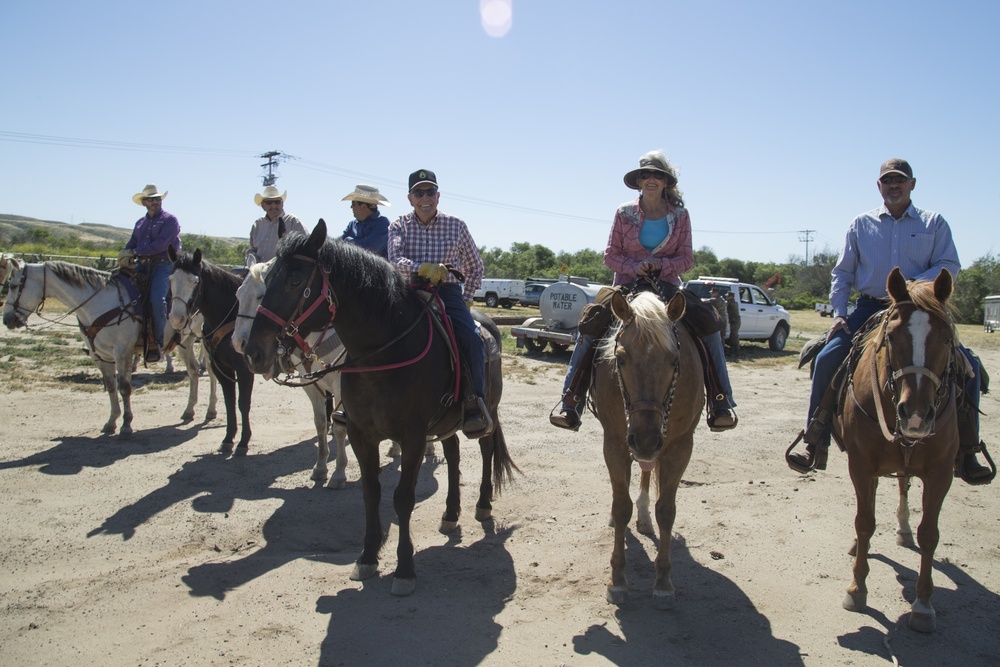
(367, 194)
(270, 192)
(148, 191)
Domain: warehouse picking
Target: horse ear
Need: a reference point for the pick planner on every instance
(676, 307)
(318, 236)
(943, 285)
(620, 306)
(197, 257)
(895, 285)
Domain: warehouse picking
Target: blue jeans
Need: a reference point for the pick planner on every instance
(837, 348)
(159, 284)
(713, 343)
(468, 338)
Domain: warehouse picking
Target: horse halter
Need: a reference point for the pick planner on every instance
(195, 295)
(18, 308)
(941, 384)
(290, 326)
(663, 407)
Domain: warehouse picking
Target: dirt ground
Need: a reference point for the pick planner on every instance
(158, 551)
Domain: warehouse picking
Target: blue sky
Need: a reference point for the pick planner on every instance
(777, 114)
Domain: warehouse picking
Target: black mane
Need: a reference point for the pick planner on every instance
(185, 262)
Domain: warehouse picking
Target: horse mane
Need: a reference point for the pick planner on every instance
(256, 272)
(185, 262)
(79, 276)
(922, 296)
(374, 281)
(650, 316)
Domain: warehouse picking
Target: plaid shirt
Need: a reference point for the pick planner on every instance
(624, 252)
(446, 240)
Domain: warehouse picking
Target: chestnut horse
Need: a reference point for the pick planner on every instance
(398, 382)
(648, 395)
(899, 419)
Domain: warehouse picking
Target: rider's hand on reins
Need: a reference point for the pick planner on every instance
(126, 259)
(647, 269)
(433, 273)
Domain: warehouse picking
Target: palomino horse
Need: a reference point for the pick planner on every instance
(107, 315)
(250, 294)
(400, 386)
(648, 395)
(900, 420)
(199, 286)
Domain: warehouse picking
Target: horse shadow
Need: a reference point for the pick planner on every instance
(966, 629)
(715, 623)
(72, 454)
(323, 527)
(470, 586)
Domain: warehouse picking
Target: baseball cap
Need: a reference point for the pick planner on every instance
(422, 176)
(896, 166)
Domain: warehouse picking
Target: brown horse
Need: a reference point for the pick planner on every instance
(899, 419)
(648, 395)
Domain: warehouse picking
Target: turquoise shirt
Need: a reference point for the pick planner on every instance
(653, 232)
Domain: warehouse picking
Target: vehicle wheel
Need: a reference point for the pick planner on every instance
(508, 304)
(534, 345)
(559, 347)
(492, 300)
(777, 340)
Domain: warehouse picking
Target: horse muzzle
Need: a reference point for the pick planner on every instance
(13, 320)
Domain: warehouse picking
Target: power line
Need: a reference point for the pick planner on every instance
(806, 235)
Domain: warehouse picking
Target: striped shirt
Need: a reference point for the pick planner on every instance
(446, 240)
(919, 243)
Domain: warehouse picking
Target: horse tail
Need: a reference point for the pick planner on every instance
(503, 465)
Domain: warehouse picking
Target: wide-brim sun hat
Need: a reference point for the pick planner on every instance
(270, 192)
(367, 194)
(149, 191)
(651, 162)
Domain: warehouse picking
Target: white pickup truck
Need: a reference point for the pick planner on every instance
(826, 310)
(500, 292)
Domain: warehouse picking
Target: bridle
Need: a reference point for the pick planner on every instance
(189, 304)
(18, 308)
(663, 406)
(942, 384)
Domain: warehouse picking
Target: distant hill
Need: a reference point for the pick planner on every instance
(12, 226)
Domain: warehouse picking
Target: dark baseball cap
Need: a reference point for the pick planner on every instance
(896, 166)
(422, 176)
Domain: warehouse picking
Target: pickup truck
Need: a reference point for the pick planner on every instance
(826, 310)
(500, 292)
(761, 318)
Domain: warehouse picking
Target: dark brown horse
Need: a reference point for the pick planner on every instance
(397, 381)
(649, 395)
(899, 419)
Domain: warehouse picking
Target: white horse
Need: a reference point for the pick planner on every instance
(193, 362)
(250, 294)
(104, 311)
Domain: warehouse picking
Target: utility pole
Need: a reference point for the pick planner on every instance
(806, 236)
(270, 167)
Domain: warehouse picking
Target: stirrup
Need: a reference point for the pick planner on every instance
(798, 462)
(976, 481)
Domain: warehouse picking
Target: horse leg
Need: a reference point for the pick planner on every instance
(110, 386)
(229, 399)
(620, 470)
(644, 520)
(317, 399)
(904, 534)
(213, 396)
(865, 486)
(453, 503)
(404, 579)
(366, 453)
(339, 477)
(125, 389)
(487, 449)
(191, 364)
(671, 468)
(922, 615)
(170, 363)
(245, 379)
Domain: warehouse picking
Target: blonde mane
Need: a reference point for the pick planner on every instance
(923, 297)
(650, 317)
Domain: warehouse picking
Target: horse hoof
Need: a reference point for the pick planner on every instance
(448, 526)
(241, 451)
(364, 571)
(856, 602)
(210, 415)
(319, 475)
(484, 513)
(108, 429)
(645, 527)
(905, 540)
(403, 587)
(188, 416)
(226, 448)
(617, 595)
(126, 432)
(664, 599)
(337, 483)
(922, 617)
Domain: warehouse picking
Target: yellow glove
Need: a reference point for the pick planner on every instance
(126, 259)
(468, 304)
(434, 273)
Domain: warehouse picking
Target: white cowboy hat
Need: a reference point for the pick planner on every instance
(148, 191)
(270, 192)
(368, 194)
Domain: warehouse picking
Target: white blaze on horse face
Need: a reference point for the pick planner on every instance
(920, 331)
(182, 286)
(249, 294)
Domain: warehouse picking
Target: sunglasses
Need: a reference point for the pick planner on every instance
(150, 200)
(893, 179)
(423, 192)
(658, 175)
(269, 202)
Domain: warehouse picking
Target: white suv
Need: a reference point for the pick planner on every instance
(761, 318)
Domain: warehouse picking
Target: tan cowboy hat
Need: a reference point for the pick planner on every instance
(367, 194)
(148, 191)
(270, 192)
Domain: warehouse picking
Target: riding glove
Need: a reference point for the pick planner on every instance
(434, 273)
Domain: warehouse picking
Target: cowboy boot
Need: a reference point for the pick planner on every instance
(476, 422)
(967, 466)
(568, 416)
